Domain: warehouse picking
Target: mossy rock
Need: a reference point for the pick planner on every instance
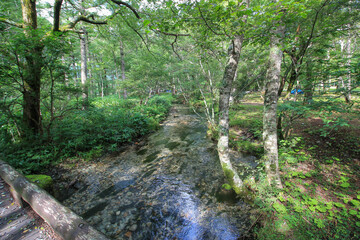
(43, 181)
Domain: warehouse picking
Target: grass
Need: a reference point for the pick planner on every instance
(320, 173)
(246, 128)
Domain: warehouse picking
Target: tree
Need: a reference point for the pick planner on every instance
(270, 137)
(225, 91)
(32, 67)
(84, 67)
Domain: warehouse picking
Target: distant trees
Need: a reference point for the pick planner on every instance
(31, 60)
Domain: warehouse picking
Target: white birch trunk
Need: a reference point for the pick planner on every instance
(223, 144)
(270, 106)
(83, 51)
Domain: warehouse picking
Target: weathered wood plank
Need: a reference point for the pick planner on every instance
(65, 223)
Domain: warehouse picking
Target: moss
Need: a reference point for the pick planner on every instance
(43, 181)
(242, 191)
(226, 186)
(229, 175)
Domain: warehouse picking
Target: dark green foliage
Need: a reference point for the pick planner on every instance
(108, 123)
(83, 130)
(161, 100)
(157, 107)
(329, 110)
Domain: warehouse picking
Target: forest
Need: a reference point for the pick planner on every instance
(175, 119)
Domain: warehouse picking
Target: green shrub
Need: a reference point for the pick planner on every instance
(161, 100)
(107, 123)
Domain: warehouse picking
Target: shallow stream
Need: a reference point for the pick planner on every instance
(165, 187)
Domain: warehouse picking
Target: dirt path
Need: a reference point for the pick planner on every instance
(20, 223)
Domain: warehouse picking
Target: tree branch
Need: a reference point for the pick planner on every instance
(136, 31)
(173, 34)
(206, 23)
(12, 23)
(84, 19)
(128, 6)
(173, 48)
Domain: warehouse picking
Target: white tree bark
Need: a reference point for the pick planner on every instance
(83, 51)
(223, 144)
(270, 106)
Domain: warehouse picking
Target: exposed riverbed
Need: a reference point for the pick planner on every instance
(165, 187)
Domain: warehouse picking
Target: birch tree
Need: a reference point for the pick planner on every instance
(270, 138)
(225, 91)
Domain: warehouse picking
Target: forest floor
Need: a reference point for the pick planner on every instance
(21, 223)
(320, 174)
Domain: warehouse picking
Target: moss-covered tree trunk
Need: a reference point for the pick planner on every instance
(270, 106)
(225, 90)
(32, 69)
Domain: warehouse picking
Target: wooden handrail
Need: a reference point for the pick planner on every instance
(65, 222)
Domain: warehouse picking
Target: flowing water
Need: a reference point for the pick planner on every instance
(166, 187)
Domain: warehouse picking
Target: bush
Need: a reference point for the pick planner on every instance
(106, 124)
(161, 100)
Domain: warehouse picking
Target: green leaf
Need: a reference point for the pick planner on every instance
(298, 208)
(345, 185)
(339, 205)
(319, 223)
(329, 205)
(279, 208)
(313, 201)
(321, 209)
(355, 202)
(226, 186)
(352, 212)
(146, 22)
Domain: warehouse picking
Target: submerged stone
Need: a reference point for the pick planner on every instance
(226, 195)
(141, 152)
(92, 211)
(172, 145)
(151, 157)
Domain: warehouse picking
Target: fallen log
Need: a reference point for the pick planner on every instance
(65, 223)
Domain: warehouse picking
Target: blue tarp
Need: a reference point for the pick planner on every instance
(299, 91)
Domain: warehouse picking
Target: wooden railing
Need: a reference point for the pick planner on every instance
(65, 223)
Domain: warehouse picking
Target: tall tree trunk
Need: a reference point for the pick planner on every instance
(32, 73)
(66, 78)
(270, 106)
(90, 73)
(348, 83)
(308, 84)
(225, 90)
(105, 83)
(122, 55)
(83, 51)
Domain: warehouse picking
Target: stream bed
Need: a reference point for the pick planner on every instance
(165, 187)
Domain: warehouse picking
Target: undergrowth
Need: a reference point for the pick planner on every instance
(319, 168)
(318, 201)
(107, 124)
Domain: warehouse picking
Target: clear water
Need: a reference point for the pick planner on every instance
(166, 187)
